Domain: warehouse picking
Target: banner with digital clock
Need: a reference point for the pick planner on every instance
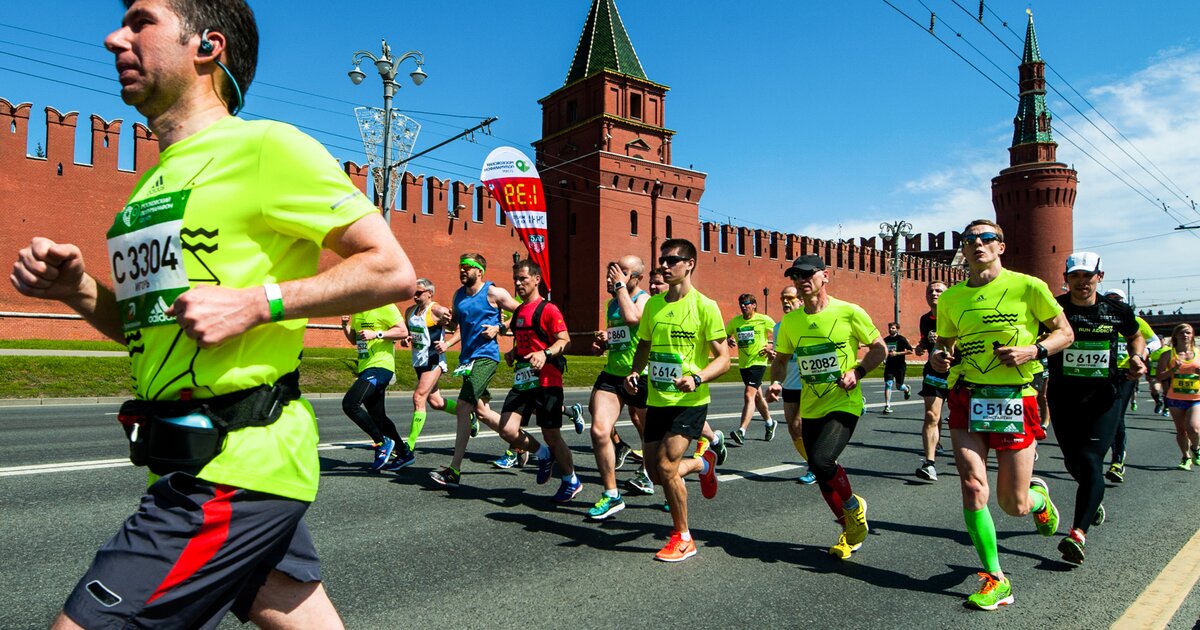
(513, 181)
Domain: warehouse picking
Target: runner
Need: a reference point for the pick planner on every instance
(426, 321)
(789, 299)
(824, 336)
(474, 323)
(751, 332)
(895, 366)
(1085, 389)
(987, 326)
(215, 262)
(374, 334)
(1116, 468)
(679, 331)
(933, 385)
(622, 316)
(1179, 371)
(1156, 386)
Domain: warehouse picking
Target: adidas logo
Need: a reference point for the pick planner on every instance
(1011, 428)
(158, 313)
(980, 299)
(812, 326)
(156, 186)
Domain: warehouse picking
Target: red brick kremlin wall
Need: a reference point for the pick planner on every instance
(73, 198)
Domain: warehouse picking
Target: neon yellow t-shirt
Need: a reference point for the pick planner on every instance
(376, 353)
(751, 337)
(1003, 312)
(826, 347)
(1123, 348)
(679, 333)
(238, 205)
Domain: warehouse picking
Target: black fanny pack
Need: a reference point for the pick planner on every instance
(184, 435)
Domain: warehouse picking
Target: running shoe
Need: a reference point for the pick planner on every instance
(1098, 519)
(622, 453)
(447, 477)
(701, 447)
(843, 549)
(770, 433)
(1071, 547)
(1196, 456)
(606, 507)
(640, 482)
(927, 471)
(708, 480)
(474, 424)
(1157, 407)
(506, 461)
(907, 392)
(575, 412)
(567, 491)
(1046, 521)
(738, 435)
(719, 448)
(856, 522)
(808, 478)
(677, 549)
(1185, 464)
(666, 507)
(1165, 412)
(545, 468)
(1132, 407)
(383, 452)
(992, 593)
(887, 410)
(1116, 472)
(522, 459)
(400, 461)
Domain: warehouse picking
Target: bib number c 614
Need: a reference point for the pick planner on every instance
(665, 369)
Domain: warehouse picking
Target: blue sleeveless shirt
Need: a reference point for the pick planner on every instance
(473, 312)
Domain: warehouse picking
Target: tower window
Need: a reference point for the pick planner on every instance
(668, 224)
(633, 227)
(572, 111)
(635, 106)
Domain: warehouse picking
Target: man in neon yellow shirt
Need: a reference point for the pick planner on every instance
(215, 267)
(752, 334)
(374, 334)
(678, 332)
(824, 336)
(987, 329)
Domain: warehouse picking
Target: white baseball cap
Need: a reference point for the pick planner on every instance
(1117, 292)
(1084, 261)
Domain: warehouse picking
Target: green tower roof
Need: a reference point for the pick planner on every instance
(1032, 54)
(604, 45)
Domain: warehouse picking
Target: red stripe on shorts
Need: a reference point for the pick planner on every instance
(214, 530)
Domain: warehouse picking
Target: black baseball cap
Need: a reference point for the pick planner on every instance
(808, 263)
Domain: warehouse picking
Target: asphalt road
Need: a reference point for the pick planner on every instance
(397, 552)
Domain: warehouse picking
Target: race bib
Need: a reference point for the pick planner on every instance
(891, 346)
(997, 409)
(819, 363)
(936, 381)
(147, 259)
(361, 346)
(665, 368)
(1087, 359)
(418, 335)
(619, 338)
(524, 376)
(744, 336)
(1122, 351)
(1185, 383)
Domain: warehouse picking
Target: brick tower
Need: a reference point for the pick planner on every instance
(605, 161)
(1035, 195)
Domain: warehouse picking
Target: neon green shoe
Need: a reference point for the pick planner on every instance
(856, 522)
(1185, 464)
(992, 593)
(1046, 521)
(843, 549)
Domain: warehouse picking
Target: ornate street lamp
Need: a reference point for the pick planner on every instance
(891, 232)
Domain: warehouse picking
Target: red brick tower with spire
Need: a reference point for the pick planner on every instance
(1034, 197)
(605, 162)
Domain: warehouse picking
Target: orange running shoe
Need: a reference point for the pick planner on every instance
(677, 549)
(708, 481)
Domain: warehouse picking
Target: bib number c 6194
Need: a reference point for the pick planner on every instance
(665, 369)
(146, 255)
(1087, 359)
(819, 363)
(997, 409)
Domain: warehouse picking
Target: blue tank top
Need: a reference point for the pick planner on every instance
(473, 312)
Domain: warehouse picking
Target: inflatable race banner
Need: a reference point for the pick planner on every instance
(513, 181)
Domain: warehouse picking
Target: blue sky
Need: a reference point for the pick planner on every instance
(818, 118)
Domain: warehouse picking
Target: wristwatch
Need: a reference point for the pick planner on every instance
(549, 355)
(379, 335)
(696, 377)
(618, 285)
(1042, 352)
(860, 372)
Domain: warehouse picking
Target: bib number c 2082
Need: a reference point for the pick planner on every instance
(819, 363)
(146, 255)
(997, 409)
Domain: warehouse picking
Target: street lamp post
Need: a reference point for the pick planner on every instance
(387, 66)
(892, 232)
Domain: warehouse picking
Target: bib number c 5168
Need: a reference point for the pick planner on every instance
(997, 409)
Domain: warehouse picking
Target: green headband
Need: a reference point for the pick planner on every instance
(471, 262)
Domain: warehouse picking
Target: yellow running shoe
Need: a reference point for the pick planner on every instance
(701, 447)
(843, 549)
(856, 522)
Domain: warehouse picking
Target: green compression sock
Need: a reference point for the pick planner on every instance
(451, 406)
(418, 423)
(1039, 501)
(982, 530)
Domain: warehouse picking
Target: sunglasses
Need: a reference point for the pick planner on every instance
(803, 274)
(671, 261)
(982, 237)
(745, 303)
